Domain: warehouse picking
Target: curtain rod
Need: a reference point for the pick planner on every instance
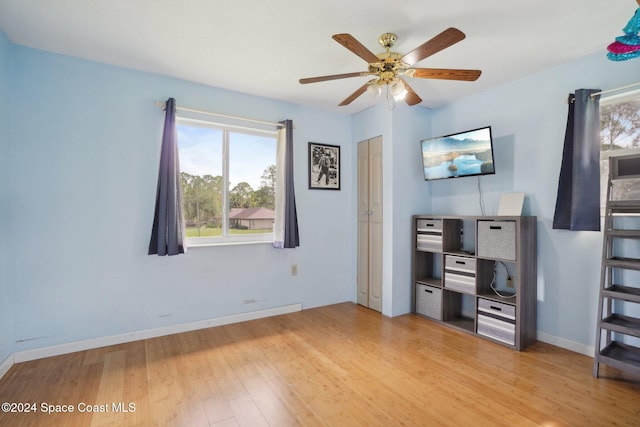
(209, 113)
(604, 92)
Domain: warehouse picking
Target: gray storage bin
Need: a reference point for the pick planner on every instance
(429, 242)
(460, 263)
(429, 301)
(429, 225)
(460, 282)
(497, 320)
(498, 330)
(497, 309)
(497, 240)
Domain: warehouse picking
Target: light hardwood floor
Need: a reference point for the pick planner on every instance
(340, 365)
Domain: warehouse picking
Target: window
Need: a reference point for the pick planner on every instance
(619, 135)
(228, 182)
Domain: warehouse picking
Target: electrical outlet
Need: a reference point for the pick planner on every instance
(510, 282)
(294, 269)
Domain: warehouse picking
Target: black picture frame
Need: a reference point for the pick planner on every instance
(324, 166)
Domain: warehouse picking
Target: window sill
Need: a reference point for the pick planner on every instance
(227, 243)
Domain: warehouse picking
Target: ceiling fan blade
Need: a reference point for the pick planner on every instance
(362, 89)
(411, 98)
(447, 38)
(332, 77)
(348, 41)
(444, 74)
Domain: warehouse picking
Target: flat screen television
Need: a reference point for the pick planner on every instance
(468, 153)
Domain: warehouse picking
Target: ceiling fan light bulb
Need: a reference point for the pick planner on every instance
(401, 95)
(374, 90)
(397, 88)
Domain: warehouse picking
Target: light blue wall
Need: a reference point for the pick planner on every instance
(403, 191)
(410, 197)
(78, 183)
(528, 117)
(86, 142)
(6, 307)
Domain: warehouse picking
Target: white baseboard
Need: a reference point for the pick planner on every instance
(39, 353)
(566, 344)
(6, 365)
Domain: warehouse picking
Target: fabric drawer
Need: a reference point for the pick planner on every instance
(429, 301)
(429, 225)
(497, 309)
(497, 320)
(497, 329)
(459, 263)
(429, 242)
(460, 282)
(497, 239)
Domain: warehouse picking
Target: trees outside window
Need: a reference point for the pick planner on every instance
(228, 183)
(619, 135)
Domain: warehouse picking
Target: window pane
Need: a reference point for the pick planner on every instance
(201, 173)
(252, 160)
(619, 135)
(620, 125)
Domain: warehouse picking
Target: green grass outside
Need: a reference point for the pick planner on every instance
(217, 232)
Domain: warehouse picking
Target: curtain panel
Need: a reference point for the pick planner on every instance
(167, 234)
(285, 228)
(578, 198)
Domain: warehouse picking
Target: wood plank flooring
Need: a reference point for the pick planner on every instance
(340, 365)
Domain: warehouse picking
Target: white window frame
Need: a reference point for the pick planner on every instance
(226, 238)
(605, 155)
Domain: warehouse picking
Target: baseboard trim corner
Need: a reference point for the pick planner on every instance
(6, 365)
(72, 347)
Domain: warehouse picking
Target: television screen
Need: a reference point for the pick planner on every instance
(468, 153)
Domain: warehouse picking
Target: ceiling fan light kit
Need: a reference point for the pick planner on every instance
(389, 67)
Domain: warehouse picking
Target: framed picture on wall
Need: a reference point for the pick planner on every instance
(324, 166)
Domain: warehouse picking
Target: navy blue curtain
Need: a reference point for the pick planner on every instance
(167, 235)
(291, 235)
(578, 201)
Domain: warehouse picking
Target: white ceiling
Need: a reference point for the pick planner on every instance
(262, 47)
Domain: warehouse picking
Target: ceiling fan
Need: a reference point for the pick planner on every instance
(389, 68)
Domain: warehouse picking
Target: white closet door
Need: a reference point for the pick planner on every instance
(370, 223)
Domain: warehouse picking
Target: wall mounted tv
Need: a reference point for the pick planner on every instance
(468, 153)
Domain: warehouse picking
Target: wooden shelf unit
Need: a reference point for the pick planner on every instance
(457, 261)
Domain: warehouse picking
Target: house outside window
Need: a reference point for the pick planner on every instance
(228, 182)
(619, 135)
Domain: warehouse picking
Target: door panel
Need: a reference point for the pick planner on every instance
(370, 223)
(375, 265)
(375, 179)
(363, 224)
(363, 263)
(375, 223)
